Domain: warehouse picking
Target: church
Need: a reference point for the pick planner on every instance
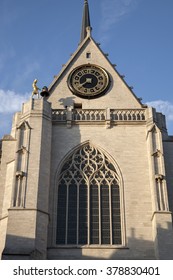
(87, 170)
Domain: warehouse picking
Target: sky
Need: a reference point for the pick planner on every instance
(38, 36)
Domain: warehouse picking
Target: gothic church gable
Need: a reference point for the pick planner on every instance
(118, 95)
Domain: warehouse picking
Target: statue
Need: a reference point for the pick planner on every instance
(35, 88)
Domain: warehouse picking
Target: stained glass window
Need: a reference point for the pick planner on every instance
(88, 210)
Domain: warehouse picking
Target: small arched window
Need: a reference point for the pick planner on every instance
(88, 210)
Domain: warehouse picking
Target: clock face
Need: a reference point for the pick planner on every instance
(88, 80)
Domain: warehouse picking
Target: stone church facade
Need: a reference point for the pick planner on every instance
(87, 171)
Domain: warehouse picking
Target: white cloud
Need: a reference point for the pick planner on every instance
(164, 107)
(11, 101)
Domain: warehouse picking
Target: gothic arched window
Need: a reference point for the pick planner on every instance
(88, 210)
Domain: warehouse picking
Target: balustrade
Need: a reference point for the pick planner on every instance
(127, 115)
(89, 115)
(98, 115)
(59, 115)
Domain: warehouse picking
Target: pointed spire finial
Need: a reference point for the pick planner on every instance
(85, 21)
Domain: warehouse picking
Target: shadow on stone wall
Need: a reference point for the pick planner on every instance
(21, 248)
(136, 249)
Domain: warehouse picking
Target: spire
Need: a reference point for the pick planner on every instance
(85, 21)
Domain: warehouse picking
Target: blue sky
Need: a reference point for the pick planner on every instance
(38, 36)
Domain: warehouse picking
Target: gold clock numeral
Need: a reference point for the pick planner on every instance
(97, 74)
(85, 71)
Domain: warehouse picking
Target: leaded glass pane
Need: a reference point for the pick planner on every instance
(116, 222)
(61, 215)
(83, 214)
(105, 215)
(72, 215)
(94, 215)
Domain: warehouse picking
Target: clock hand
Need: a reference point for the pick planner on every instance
(87, 81)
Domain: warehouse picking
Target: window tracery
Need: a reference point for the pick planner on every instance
(88, 210)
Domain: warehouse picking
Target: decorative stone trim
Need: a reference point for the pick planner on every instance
(99, 115)
(20, 174)
(159, 177)
(157, 153)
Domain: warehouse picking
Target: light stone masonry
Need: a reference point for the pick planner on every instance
(105, 162)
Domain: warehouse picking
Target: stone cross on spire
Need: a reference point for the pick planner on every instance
(85, 21)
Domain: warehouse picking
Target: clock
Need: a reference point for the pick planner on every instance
(88, 80)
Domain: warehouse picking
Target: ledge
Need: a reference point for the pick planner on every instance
(161, 212)
(88, 247)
